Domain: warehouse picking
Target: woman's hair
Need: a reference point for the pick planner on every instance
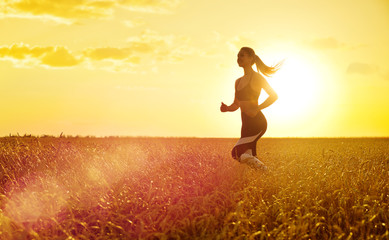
(262, 67)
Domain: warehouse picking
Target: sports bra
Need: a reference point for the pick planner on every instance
(246, 93)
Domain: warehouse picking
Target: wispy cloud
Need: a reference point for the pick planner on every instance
(107, 53)
(165, 48)
(24, 55)
(60, 11)
(150, 6)
(147, 48)
(133, 23)
(238, 42)
(71, 10)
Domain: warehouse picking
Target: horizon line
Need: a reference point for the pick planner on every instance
(146, 136)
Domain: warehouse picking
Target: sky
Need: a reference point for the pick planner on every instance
(162, 68)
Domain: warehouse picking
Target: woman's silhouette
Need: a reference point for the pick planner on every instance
(247, 90)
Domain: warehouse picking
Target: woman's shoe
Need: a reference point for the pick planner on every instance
(252, 161)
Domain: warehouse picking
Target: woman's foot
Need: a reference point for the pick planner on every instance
(260, 164)
(252, 161)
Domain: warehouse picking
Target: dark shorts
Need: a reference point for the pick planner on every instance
(252, 130)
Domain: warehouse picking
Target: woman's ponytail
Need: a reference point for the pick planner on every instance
(264, 69)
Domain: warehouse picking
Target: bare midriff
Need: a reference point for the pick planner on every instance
(250, 108)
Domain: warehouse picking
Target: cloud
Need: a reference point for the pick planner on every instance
(165, 48)
(362, 68)
(107, 53)
(133, 23)
(238, 42)
(150, 6)
(59, 57)
(71, 10)
(24, 55)
(148, 45)
(22, 51)
(112, 59)
(146, 49)
(60, 11)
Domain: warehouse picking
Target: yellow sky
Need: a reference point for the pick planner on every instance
(161, 68)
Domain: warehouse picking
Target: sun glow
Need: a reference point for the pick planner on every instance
(297, 84)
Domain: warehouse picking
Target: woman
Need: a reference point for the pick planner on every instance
(247, 90)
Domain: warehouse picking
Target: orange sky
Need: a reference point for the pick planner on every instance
(161, 68)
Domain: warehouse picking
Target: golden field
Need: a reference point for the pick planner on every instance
(191, 188)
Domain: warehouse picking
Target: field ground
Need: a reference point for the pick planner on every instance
(182, 188)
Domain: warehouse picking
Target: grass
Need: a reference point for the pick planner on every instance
(182, 188)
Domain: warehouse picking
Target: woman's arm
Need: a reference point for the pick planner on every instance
(272, 95)
(233, 107)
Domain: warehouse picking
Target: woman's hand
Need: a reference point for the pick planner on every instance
(223, 108)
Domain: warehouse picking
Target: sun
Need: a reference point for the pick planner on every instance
(297, 84)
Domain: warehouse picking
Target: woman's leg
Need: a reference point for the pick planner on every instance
(253, 148)
(251, 126)
(249, 151)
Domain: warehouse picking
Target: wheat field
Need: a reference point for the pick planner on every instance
(191, 188)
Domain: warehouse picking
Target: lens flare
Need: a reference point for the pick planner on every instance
(41, 199)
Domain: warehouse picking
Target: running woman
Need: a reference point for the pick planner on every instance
(247, 91)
